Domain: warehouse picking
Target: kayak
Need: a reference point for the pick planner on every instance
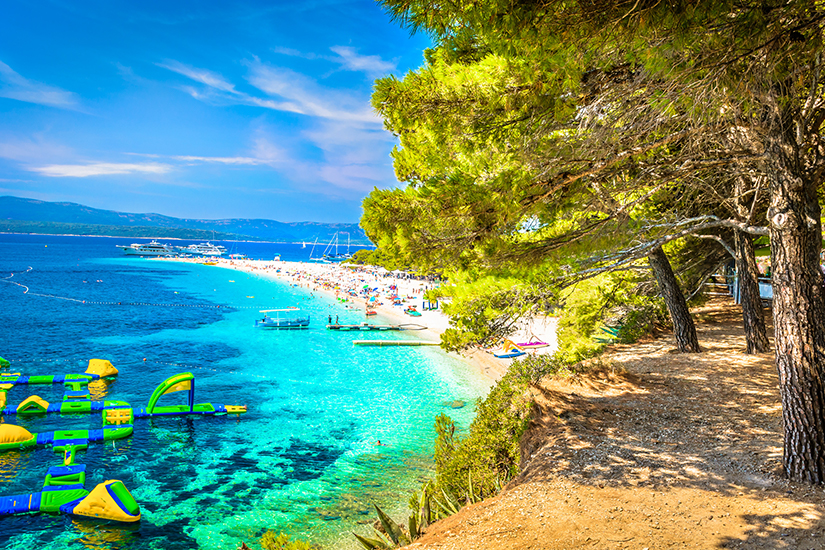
(515, 352)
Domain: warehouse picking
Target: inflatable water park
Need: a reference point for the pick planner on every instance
(64, 488)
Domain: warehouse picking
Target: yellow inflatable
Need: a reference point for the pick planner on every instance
(101, 367)
(109, 500)
(3, 389)
(33, 404)
(9, 433)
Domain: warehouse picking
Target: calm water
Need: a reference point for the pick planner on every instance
(303, 459)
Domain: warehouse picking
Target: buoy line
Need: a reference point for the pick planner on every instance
(27, 290)
(79, 361)
(121, 303)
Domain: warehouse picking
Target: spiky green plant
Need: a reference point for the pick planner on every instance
(395, 536)
(282, 541)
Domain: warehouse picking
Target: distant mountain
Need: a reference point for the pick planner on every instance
(19, 215)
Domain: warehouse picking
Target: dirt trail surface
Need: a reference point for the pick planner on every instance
(655, 449)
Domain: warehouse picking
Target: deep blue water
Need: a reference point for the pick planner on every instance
(303, 459)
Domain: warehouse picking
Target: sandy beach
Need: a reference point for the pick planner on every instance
(389, 294)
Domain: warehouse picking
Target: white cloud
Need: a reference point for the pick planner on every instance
(284, 89)
(99, 169)
(348, 58)
(307, 96)
(355, 159)
(33, 149)
(267, 151)
(203, 76)
(262, 152)
(295, 53)
(220, 160)
(15, 86)
(372, 65)
(287, 106)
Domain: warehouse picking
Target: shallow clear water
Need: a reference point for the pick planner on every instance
(302, 460)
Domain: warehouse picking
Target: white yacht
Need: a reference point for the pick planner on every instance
(289, 318)
(153, 248)
(203, 249)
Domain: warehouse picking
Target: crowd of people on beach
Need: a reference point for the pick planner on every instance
(369, 288)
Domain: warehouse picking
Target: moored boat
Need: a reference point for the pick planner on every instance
(153, 248)
(533, 343)
(203, 249)
(508, 350)
(504, 354)
(412, 312)
(288, 318)
(331, 256)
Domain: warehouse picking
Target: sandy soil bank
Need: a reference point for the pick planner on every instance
(655, 450)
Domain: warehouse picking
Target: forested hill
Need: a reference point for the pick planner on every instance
(19, 215)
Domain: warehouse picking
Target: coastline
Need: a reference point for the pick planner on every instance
(357, 244)
(318, 404)
(339, 282)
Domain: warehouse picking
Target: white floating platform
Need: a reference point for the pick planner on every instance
(394, 343)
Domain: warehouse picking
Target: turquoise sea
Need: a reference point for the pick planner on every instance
(302, 460)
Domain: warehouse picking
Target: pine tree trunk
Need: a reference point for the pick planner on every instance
(753, 314)
(798, 311)
(683, 328)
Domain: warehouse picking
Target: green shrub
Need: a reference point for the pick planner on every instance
(618, 306)
(477, 465)
(530, 369)
(642, 321)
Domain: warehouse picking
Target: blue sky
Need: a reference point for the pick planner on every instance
(236, 109)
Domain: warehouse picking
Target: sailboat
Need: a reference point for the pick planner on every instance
(312, 251)
(336, 257)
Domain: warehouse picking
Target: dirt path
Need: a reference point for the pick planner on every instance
(653, 450)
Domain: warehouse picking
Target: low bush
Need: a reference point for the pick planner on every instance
(612, 307)
(476, 465)
(530, 369)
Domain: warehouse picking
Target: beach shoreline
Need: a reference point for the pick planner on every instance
(355, 285)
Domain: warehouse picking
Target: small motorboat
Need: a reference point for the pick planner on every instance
(371, 312)
(412, 312)
(288, 318)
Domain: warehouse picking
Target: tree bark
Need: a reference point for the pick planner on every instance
(753, 314)
(683, 328)
(798, 309)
